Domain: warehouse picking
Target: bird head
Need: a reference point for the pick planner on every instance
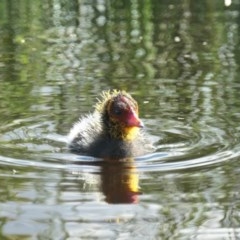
(120, 114)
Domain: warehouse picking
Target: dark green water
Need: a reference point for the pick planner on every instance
(179, 59)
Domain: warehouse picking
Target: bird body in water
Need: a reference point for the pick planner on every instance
(112, 131)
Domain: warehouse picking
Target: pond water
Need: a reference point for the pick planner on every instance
(180, 61)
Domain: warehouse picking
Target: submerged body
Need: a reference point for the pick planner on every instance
(112, 131)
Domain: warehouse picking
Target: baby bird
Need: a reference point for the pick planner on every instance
(112, 131)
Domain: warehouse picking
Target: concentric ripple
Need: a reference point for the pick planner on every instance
(185, 147)
(30, 143)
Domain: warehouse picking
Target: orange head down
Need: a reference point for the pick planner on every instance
(120, 115)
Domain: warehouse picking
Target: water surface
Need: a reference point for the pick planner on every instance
(179, 60)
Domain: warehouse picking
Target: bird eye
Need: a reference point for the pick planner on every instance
(117, 110)
(117, 107)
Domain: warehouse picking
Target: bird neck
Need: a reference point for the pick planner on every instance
(117, 131)
(130, 133)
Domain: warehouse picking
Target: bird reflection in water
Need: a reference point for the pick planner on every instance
(119, 181)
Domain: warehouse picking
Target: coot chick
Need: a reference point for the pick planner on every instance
(112, 131)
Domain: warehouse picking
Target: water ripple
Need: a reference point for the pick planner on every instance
(29, 143)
